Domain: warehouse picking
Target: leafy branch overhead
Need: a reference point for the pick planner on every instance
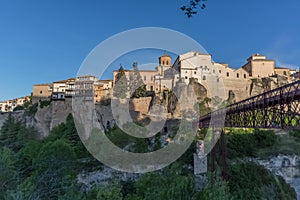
(193, 7)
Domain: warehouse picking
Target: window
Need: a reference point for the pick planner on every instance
(145, 78)
(284, 73)
(227, 74)
(163, 62)
(165, 129)
(186, 77)
(204, 77)
(237, 75)
(41, 92)
(167, 62)
(195, 72)
(244, 75)
(219, 71)
(186, 72)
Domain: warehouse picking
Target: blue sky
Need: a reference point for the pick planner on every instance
(46, 41)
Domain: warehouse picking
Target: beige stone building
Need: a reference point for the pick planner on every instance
(283, 71)
(41, 92)
(103, 90)
(146, 75)
(10, 105)
(259, 66)
(218, 78)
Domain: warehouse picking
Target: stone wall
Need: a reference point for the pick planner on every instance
(140, 104)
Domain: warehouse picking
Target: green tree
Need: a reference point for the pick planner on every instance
(121, 85)
(68, 132)
(8, 172)
(54, 169)
(14, 134)
(137, 85)
(110, 192)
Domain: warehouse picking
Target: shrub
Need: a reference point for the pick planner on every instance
(264, 138)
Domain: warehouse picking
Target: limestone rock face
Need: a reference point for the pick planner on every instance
(261, 85)
(48, 117)
(199, 90)
(231, 97)
(18, 115)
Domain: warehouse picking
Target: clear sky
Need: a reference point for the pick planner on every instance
(45, 41)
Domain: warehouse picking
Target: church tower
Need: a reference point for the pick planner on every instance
(165, 60)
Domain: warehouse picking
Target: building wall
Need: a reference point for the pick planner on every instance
(41, 92)
(59, 87)
(258, 66)
(140, 104)
(147, 76)
(283, 72)
(262, 68)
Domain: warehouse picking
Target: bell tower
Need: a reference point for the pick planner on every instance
(165, 60)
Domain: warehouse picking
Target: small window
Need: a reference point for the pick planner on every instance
(237, 75)
(41, 92)
(219, 71)
(244, 75)
(167, 62)
(284, 73)
(145, 78)
(195, 72)
(186, 72)
(227, 74)
(186, 77)
(204, 77)
(163, 62)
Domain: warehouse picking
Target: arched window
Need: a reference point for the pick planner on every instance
(237, 75)
(227, 74)
(167, 62)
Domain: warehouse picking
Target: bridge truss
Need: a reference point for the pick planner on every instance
(278, 108)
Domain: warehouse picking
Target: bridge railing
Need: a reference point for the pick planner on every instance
(277, 108)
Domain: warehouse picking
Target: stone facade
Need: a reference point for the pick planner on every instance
(282, 71)
(41, 92)
(10, 105)
(258, 66)
(141, 104)
(146, 75)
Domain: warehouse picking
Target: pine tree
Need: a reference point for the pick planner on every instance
(121, 84)
(137, 86)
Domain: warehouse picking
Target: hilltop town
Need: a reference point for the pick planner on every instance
(257, 72)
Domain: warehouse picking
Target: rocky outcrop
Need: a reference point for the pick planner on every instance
(261, 85)
(18, 115)
(286, 166)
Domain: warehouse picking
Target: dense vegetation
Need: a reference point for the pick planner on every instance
(48, 169)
